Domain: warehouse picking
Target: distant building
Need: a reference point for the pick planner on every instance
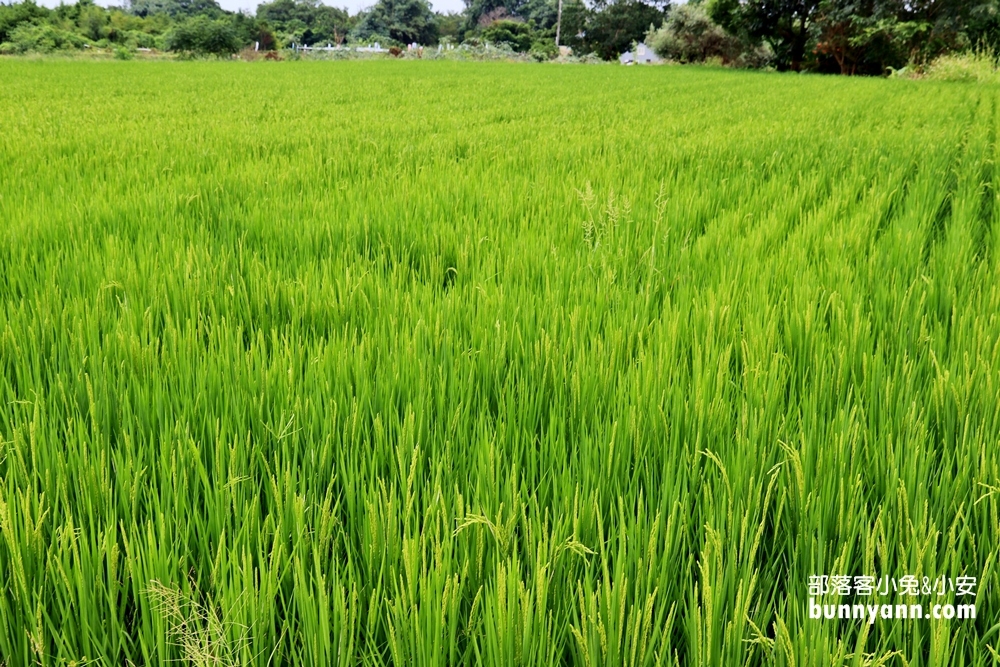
(643, 54)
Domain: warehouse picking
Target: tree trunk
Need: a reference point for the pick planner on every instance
(798, 44)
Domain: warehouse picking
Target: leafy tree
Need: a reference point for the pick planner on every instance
(544, 49)
(450, 26)
(785, 26)
(11, 16)
(515, 34)
(306, 21)
(151, 7)
(331, 24)
(611, 30)
(404, 21)
(93, 21)
(865, 36)
(983, 26)
(481, 13)
(541, 13)
(728, 14)
(953, 24)
(204, 35)
(176, 8)
(690, 35)
(45, 38)
(249, 30)
(575, 16)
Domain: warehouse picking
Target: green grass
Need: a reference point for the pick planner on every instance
(380, 363)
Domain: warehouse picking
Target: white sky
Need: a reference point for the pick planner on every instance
(353, 6)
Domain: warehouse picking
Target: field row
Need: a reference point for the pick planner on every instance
(440, 363)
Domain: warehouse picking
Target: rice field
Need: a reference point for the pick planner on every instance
(436, 363)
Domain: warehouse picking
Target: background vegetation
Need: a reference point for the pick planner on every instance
(543, 366)
(841, 36)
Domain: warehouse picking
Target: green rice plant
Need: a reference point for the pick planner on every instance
(452, 363)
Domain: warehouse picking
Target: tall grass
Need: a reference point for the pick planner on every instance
(442, 363)
(975, 67)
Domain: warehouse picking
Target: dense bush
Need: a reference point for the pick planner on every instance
(136, 39)
(690, 35)
(11, 16)
(404, 21)
(544, 49)
(304, 22)
(966, 67)
(42, 39)
(203, 35)
(518, 35)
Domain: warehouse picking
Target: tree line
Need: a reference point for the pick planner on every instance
(841, 36)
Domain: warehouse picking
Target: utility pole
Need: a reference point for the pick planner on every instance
(558, 23)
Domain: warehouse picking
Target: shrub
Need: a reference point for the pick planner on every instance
(203, 35)
(965, 67)
(404, 21)
(21, 13)
(544, 49)
(515, 34)
(136, 39)
(690, 35)
(43, 39)
(754, 57)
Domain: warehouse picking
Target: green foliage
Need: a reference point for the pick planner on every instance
(28, 28)
(983, 26)
(176, 8)
(11, 16)
(306, 21)
(93, 21)
(845, 36)
(481, 13)
(403, 21)
(690, 35)
(566, 366)
(27, 38)
(544, 49)
(967, 68)
(517, 35)
(866, 43)
(728, 14)
(858, 36)
(136, 39)
(612, 30)
(783, 24)
(574, 25)
(450, 27)
(203, 35)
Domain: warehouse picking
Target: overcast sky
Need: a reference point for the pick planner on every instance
(353, 6)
